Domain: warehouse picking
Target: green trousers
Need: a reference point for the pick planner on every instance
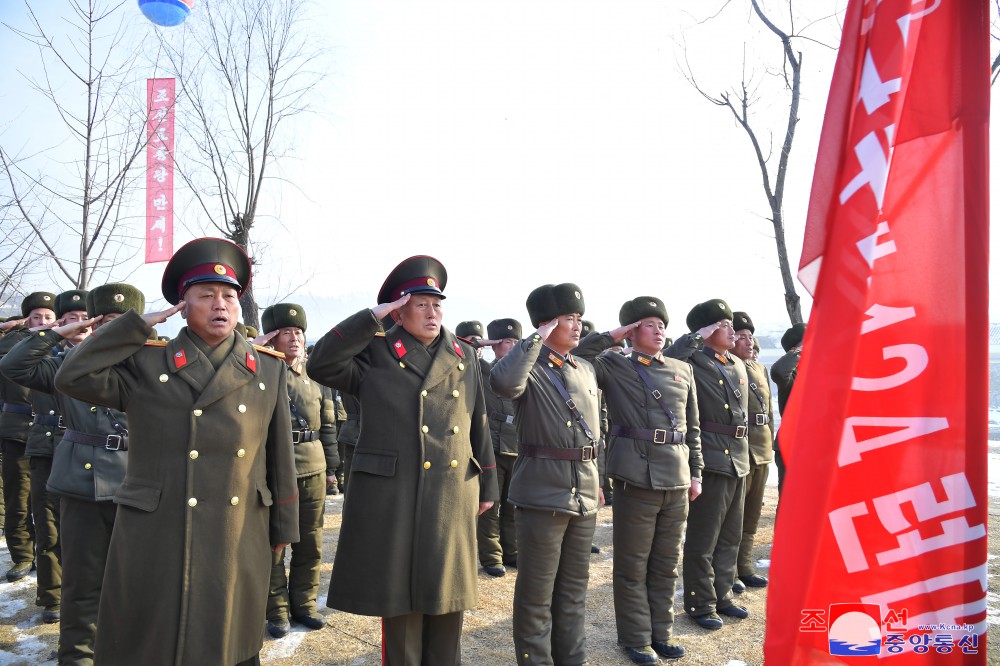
(416, 639)
(753, 503)
(296, 593)
(714, 530)
(48, 557)
(19, 530)
(495, 531)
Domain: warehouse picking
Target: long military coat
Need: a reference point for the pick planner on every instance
(423, 463)
(210, 486)
(80, 471)
(723, 454)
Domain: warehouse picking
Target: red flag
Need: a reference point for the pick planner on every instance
(880, 544)
(159, 170)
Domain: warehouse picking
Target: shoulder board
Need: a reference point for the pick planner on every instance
(155, 343)
(269, 351)
(379, 334)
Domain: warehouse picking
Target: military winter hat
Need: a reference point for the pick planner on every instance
(498, 329)
(38, 300)
(642, 307)
(586, 327)
(115, 298)
(241, 329)
(469, 328)
(742, 321)
(417, 275)
(283, 315)
(793, 336)
(551, 300)
(251, 332)
(707, 313)
(205, 260)
(70, 301)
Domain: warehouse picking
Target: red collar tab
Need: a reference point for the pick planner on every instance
(458, 348)
(180, 359)
(251, 362)
(677, 378)
(399, 348)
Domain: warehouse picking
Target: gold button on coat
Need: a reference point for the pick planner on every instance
(234, 501)
(87, 466)
(193, 455)
(242, 409)
(726, 452)
(454, 463)
(93, 409)
(164, 377)
(241, 453)
(192, 502)
(726, 406)
(461, 366)
(261, 385)
(52, 412)
(427, 464)
(424, 429)
(454, 393)
(569, 424)
(720, 381)
(197, 412)
(424, 393)
(402, 365)
(48, 434)
(573, 490)
(455, 430)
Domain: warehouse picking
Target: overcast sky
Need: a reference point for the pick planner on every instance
(523, 143)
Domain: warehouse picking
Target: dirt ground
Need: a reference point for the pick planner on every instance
(354, 640)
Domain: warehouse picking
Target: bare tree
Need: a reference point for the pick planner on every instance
(17, 257)
(995, 38)
(739, 101)
(72, 184)
(244, 70)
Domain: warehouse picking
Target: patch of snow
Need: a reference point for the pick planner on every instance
(764, 564)
(286, 647)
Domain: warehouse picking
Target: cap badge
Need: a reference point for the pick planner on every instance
(652, 304)
(292, 312)
(577, 294)
(220, 269)
(431, 283)
(46, 298)
(119, 298)
(510, 327)
(721, 306)
(76, 297)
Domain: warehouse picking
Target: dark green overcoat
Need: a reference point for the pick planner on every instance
(210, 486)
(423, 463)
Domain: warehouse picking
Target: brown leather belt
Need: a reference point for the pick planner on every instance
(739, 432)
(556, 453)
(657, 436)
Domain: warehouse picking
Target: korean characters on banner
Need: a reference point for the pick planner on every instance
(160, 170)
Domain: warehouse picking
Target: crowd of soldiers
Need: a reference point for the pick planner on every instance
(187, 471)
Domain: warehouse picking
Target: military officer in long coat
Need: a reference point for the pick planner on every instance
(555, 484)
(783, 373)
(760, 435)
(37, 309)
(88, 466)
(210, 488)
(295, 594)
(422, 472)
(715, 519)
(654, 457)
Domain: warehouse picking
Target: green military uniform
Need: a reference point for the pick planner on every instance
(296, 594)
(333, 413)
(715, 519)
(653, 453)
(555, 485)
(423, 463)
(210, 485)
(783, 373)
(348, 431)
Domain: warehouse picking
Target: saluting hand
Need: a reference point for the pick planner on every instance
(69, 330)
(618, 334)
(264, 338)
(707, 332)
(546, 329)
(154, 318)
(382, 309)
(11, 323)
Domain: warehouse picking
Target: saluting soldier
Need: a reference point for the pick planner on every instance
(555, 484)
(210, 488)
(783, 373)
(422, 472)
(715, 519)
(87, 468)
(295, 595)
(472, 332)
(654, 457)
(496, 534)
(37, 309)
(760, 434)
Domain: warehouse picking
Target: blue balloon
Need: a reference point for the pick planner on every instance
(166, 13)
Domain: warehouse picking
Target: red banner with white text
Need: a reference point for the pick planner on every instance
(159, 170)
(880, 545)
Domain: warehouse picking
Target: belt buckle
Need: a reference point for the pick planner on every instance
(116, 447)
(296, 437)
(587, 453)
(760, 419)
(510, 418)
(741, 432)
(61, 423)
(659, 436)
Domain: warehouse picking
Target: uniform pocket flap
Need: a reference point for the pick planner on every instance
(142, 495)
(265, 495)
(475, 467)
(380, 463)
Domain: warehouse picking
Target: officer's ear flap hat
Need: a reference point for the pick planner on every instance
(417, 275)
(251, 332)
(38, 300)
(283, 315)
(115, 298)
(742, 321)
(707, 313)
(586, 327)
(205, 260)
(640, 308)
(71, 301)
(793, 336)
(549, 301)
(469, 328)
(498, 329)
